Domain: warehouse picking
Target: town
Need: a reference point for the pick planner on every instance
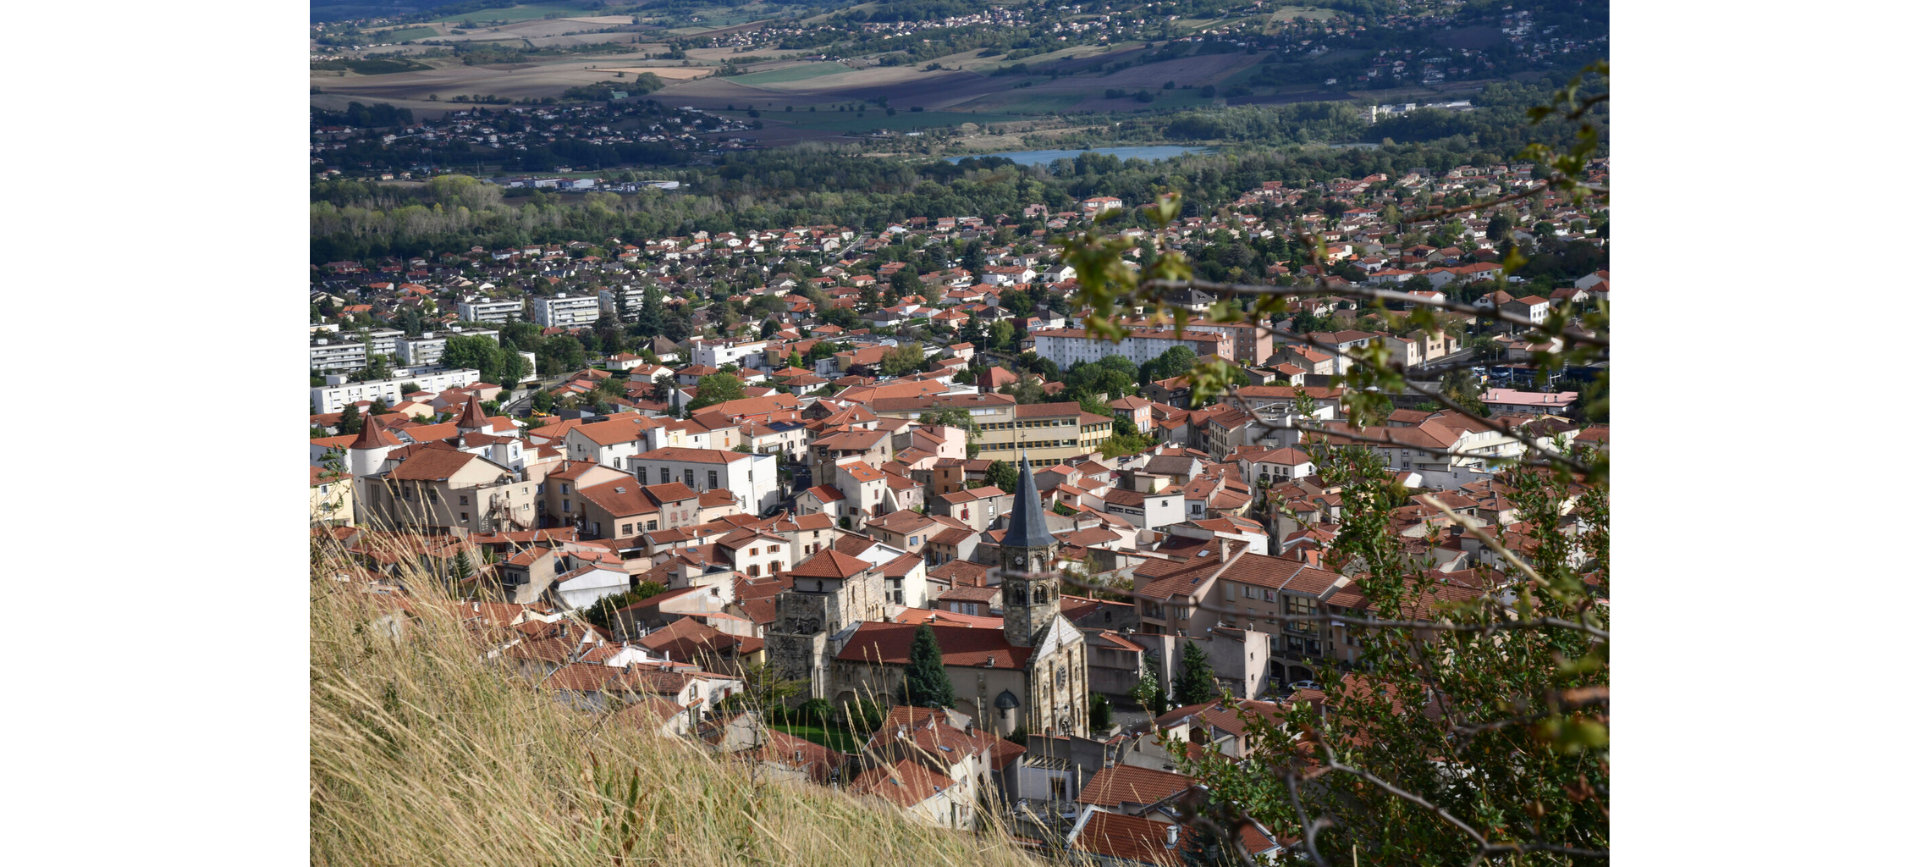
(731, 486)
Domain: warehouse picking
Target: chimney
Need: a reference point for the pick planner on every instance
(1173, 836)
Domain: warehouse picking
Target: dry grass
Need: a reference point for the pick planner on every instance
(421, 754)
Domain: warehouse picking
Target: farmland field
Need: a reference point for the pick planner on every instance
(370, 67)
(407, 34)
(519, 13)
(670, 73)
(791, 73)
(1019, 102)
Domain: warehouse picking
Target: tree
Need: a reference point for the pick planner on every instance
(903, 359)
(1195, 683)
(561, 353)
(650, 322)
(350, 420)
(1002, 475)
(462, 567)
(716, 388)
(927, 684)
(1099, 713)
(1000, 336)
(1147, 691)
(1463, 388)
(1177, 361)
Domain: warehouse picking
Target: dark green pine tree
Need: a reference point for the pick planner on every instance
(350, 420)
(927, 684)
(1195, 683)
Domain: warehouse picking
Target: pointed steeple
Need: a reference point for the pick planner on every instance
(374, 435)
(1027, 523)
(471, 417)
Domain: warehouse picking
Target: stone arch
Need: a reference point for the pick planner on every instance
(1297, 673)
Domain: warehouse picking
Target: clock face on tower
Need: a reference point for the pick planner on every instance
(1019, 559)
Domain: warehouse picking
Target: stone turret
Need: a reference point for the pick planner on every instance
(369, 450)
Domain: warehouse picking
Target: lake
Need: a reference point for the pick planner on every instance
(1151, 152)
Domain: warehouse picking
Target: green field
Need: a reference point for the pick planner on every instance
(1032, 103)
(832, 737)
(1288, 13)
(792, 73)
(409, 33)
(370, 67)
(526, 13)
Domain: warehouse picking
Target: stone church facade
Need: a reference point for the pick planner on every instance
(1032, 674)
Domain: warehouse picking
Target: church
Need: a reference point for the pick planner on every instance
(830, 634)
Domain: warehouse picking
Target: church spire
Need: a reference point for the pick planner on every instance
(1027, 523)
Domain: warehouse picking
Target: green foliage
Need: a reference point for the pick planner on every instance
(496, 363)
(1194, 684)
(350, 420)
(1003, 475)
(1099, 713)
(716, 388)
(1148, 692)
(926, 684)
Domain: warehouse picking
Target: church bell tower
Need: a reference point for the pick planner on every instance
(1029, 602)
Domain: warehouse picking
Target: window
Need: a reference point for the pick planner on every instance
(463, 499)
(626, 529)
(463, 516)
(566, 505)
(653, 525)
(666, 475)
(689, 477)
(713, 479)
(564, 489)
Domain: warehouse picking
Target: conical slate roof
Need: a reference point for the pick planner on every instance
(1027, 523)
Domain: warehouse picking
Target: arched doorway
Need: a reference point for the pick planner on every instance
(1297, 673)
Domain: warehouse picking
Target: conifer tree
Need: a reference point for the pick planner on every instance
(927, 684)
(1195, 683)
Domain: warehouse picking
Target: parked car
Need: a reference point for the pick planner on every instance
(1298, 685)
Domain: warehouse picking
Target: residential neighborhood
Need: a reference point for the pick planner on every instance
(725, 457)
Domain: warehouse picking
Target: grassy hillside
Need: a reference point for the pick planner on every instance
(421, 755)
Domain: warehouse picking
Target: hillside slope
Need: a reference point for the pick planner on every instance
(422, 755)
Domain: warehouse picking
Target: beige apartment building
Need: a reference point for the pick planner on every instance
(1048, 433)
(1250, 592)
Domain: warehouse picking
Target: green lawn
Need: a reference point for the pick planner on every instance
(792, 73)
(832, 737)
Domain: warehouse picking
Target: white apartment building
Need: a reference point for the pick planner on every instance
(338, 392)
(610, 301)
(330, 354)
(429, 346)
(747, 354)
(1064, 346)
(489, 311)
(752, 478)
(562, 311)
(384, 342)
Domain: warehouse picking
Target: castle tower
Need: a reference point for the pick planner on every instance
(369, 450)
(1030, 602)
(472, 418)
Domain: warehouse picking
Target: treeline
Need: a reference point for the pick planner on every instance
(781, 188)
(380, 114)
